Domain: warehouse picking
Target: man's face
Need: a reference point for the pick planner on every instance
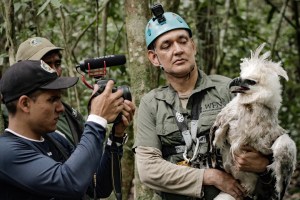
(44, 110)
(53, 59)
(175, 51)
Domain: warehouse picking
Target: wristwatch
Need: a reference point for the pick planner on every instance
(119, 140)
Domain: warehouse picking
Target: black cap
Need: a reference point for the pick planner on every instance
(27, 76)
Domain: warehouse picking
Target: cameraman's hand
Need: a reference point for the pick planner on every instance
(107, 105)
(127, 117)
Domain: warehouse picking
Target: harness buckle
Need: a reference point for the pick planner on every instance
(184, 163)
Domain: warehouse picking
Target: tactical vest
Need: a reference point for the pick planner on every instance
(204, 103)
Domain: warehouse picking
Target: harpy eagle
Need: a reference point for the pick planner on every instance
(251, 119)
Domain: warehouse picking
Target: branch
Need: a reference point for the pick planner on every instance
(274, 7)
(277, 33)
(119, 31)
(10, 32)
(223, 32)
(104, 31)
(101, 7)
(296, 16)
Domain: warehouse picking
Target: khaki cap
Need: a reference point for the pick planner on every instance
(34, 49)
(16, 81)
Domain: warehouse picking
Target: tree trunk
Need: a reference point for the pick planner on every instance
(143, 75)
(10, 42)
(10, 32)
(206, 33)
(295, 10)
(277, 32)
(222, 36)
(104, 31)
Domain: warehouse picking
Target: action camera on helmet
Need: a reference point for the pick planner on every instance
(158, 12)
(161, 23)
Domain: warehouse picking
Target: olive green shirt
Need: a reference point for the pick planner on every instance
(70, 124)
(156, 122)
(157, 131)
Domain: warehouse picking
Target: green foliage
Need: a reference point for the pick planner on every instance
(55, 3)
(246, 24)
(290, 111)
(72, 25)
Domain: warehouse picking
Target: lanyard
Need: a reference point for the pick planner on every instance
(189, 135)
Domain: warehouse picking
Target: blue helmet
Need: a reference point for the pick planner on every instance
(166, 22)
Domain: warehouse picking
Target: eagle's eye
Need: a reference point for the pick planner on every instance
(250, 82)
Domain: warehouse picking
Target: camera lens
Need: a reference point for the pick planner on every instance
(126, 92)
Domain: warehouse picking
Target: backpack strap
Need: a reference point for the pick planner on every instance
(74, 123)
(116, 167)
(58, 146)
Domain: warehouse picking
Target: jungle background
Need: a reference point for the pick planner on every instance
(224, 30)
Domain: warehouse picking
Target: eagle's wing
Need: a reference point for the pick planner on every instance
(219, 140)
(225, 118)
(284, 162)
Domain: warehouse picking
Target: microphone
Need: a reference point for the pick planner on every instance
(96, 63)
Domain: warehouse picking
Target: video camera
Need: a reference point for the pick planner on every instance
(96, 68)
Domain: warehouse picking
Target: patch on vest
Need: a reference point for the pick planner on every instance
(179, 117)
(213, 106)
(74, 112)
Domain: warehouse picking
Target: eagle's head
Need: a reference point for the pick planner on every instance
(259, 80)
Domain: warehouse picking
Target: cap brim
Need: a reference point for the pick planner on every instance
(40, 54)
(61, 83)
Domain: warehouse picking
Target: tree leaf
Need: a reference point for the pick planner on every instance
(56, 3)
(42, 8)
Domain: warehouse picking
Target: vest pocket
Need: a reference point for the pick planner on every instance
(169, 133)
(206, 120)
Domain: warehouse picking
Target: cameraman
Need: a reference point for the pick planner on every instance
(32, 167)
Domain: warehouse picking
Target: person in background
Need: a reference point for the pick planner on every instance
(70, 123)
(32, 163)
(172, 141)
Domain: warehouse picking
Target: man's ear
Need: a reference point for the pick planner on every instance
(24, 103)
(152, 56)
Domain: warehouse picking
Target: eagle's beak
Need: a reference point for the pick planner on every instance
(238, 85)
